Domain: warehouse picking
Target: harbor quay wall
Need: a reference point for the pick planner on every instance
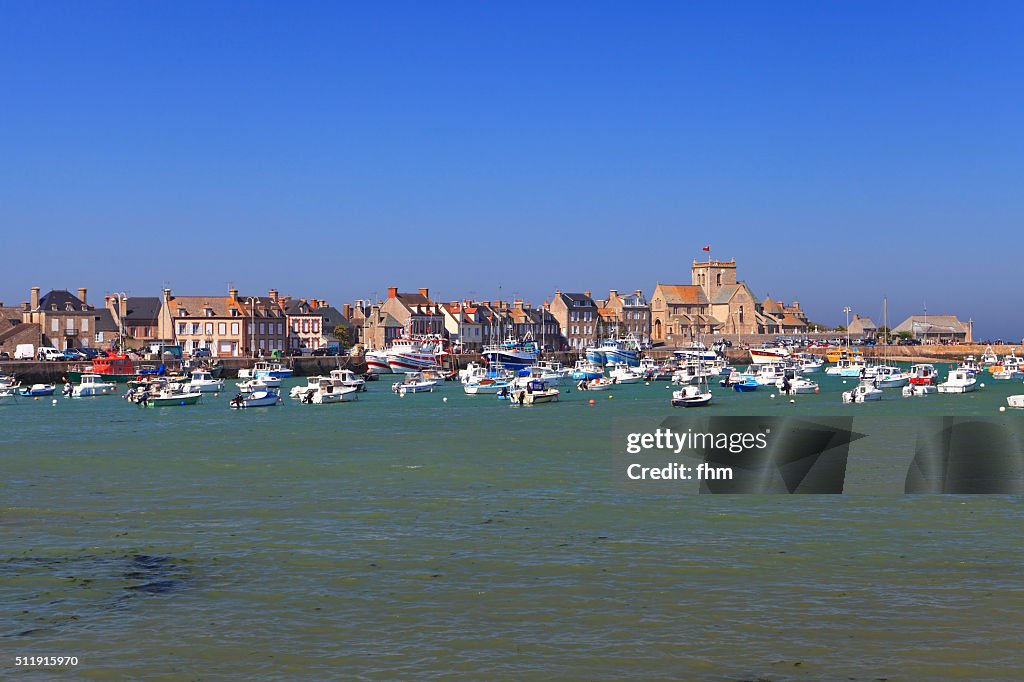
(31, 371)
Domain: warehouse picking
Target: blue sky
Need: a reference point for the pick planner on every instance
(841, 152)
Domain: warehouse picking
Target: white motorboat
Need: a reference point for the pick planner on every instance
(171, 396)
(585, 369)
(691, 396)
(923, 375)
(959, 381)
(535, 393)
(855, 368)
(259, 383)
(327, 392)
(275, 370)
(810, 364)
(989, 357)
(890, 376)
(770, 375)
(36, 390)
(414, 354)
(1016, 401)
(414, 382)
(486, 387)
(599, 384)
(6, 381)
(8, 395)
(202, 381)
(970, 365)
(796, 385)
(918, 390)
(265, 397)
(625, 375)
(1010, 369)
(93, 385)
(346, 378)
(863, 393)
(474, 371)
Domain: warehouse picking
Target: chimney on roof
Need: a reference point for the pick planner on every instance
(612, 293)
(233, 294)
(35, 298)
(587, 293)
(25, 306)
(273, 294)
(424, 292)
(167, 295)
(346, 311)
(82, 293)
(558, 292)
(638, 292)
(392, 292)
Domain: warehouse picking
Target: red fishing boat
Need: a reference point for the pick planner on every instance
(112, 366)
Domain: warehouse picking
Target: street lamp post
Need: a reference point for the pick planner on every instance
(122, 305)
(847, 310)
(252, 328)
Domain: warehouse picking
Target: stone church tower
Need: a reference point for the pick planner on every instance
(713, 274)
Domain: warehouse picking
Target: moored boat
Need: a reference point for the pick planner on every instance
(114, 367)
(36, 390)
(92, 385)
(535, 393)
(959, 381)
(266, 397)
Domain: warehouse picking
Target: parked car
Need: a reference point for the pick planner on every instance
(74, 354)
(201, 353)
(47, 353)
(91, 353)
(4, 355)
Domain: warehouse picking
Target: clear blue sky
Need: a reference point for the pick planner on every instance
(841, 152)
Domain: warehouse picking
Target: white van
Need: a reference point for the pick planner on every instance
(24, 351)
(48, 353)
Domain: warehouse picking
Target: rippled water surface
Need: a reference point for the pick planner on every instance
(413, 538)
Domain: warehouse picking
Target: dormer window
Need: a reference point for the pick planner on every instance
(208, 312)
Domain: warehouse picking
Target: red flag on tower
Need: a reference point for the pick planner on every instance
(708, 247)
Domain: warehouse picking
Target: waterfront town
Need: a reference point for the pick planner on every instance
(714, 304)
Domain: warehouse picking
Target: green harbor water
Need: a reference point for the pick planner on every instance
(418, 538)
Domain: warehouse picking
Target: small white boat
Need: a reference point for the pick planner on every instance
(346, 378)
(586, 369)
(959, 381)
(260, 398)
(924, 375)
(989, 357)
(8, 395)
(259, 383)
(625, 375)
(1016, 402)
(970, 365)
(327, 392)
(797, 386)
(485, 387)
(691, 396)
(414, 382)
(770, 375)
(890, 376)
(93, 385)
(37, 390)
(535, 393)
(261, 368)
(863, 393)
(168, 397)
(202, 381)
(918, 390)
(810, 364)
(599, 384)
(1011, 369)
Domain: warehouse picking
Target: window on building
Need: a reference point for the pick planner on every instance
(209, 328)
(195, 328)
(181, 327)
(263, 328)
(222, 328)
(85, 324)
(234, 328)
(718, 279)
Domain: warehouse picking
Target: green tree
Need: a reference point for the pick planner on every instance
(840, 328)
(341, 332)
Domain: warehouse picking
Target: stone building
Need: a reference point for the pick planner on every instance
(577, 318)
(632, 314)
